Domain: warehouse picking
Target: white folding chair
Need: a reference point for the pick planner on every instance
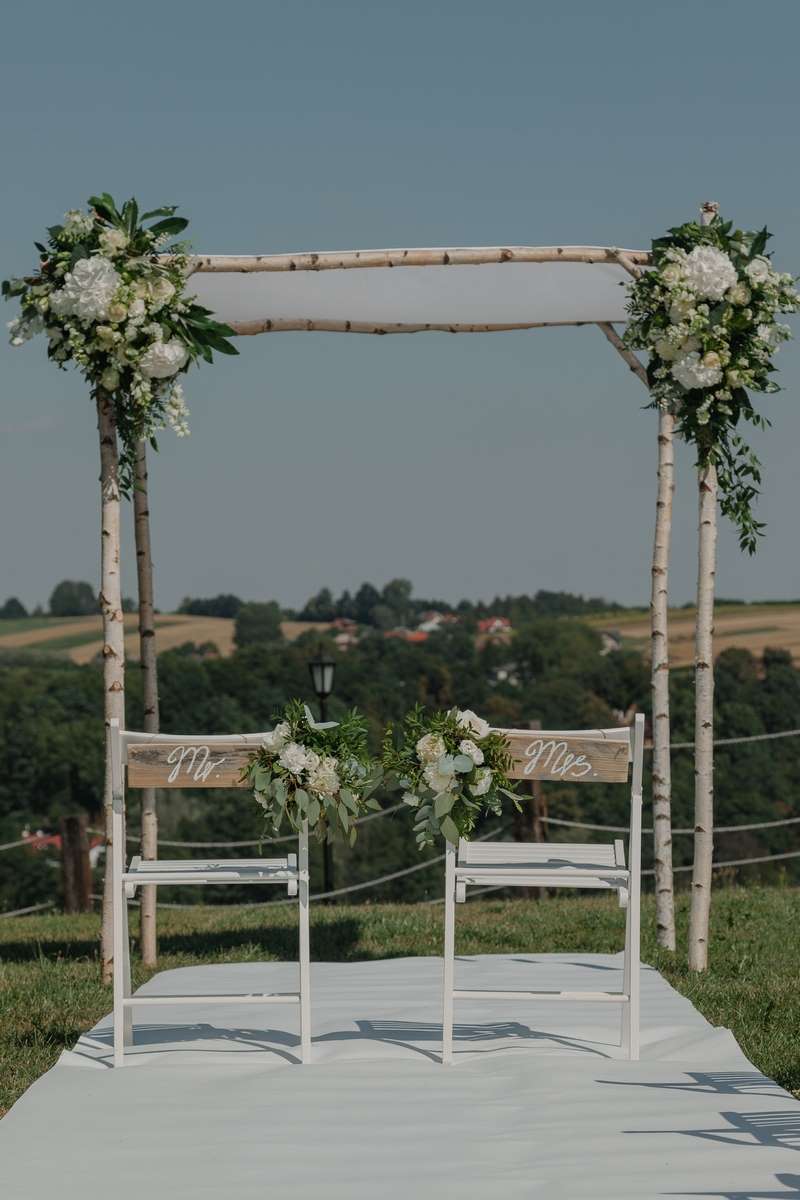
(580, 756)
(170, 761)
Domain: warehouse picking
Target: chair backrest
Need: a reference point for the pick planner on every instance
(579, 755)
(171, 760)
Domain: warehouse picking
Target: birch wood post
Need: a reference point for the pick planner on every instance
(704, 703)
(149, 666)
(659, 645)
(113, 640)
(659, 684)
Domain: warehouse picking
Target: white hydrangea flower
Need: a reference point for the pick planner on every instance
(88, 290)
(709, 272)
(163, 359)
(277, 738)
(324, 780)
(430, 747)
(483, 782)
(293, 758)
(472, 751)
(474, 724)
(440, 775)
(694, 372)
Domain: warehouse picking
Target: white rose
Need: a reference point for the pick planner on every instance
(109, 379)
(712, 359)
(163, 359)
(472, 751)
(137, 312)
(113, 241)
(117, 312)
(671, 274)
(276, 739)
(440, 775)
(483, 782)
(665, 349)
(293, 758)
(88, 289)
(709, 272)
(474, 724)
(324, 780)
(739, 294)
(430, 747)
(758, 270)
(161, 290)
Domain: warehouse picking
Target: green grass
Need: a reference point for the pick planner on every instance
(50, 990)
(25, 624)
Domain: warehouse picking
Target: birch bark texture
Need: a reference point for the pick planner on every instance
(148, 662)
(659, 684)
(113, 640)
(704, 720)
(704, 702)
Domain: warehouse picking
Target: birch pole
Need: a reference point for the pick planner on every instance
(704, 703)
(113, 638)
(149, 666)
(659, 644)
(659, 684)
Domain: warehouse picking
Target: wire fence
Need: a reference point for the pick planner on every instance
(378, 881)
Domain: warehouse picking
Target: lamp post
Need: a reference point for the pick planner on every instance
(322, 670)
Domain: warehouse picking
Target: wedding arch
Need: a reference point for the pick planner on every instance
(113, 299)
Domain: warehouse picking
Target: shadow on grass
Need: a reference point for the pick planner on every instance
(335, 938)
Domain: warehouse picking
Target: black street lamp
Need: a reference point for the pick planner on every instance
(322, 670)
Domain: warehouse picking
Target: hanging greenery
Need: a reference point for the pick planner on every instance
(706, 314)
(110, 293)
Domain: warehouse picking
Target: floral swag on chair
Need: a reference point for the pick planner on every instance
(452, 767)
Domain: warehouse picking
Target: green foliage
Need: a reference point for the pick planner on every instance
(224, 605)
(321, 774)
(257, 622)
(73, 599)
(452, 769)
(12, 610)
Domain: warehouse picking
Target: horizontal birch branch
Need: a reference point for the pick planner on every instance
(292, 324)
(339, 260)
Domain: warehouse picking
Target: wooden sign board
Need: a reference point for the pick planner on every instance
(566, 758)
(182, 765)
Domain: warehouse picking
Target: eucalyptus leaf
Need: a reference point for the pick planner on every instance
(450, 830)
(463, 763)
(443, 803)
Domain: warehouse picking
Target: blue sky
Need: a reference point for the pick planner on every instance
(472, 465)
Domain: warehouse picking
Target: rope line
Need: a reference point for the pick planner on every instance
(716, 829)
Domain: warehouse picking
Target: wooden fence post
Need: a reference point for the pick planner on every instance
(76, 871)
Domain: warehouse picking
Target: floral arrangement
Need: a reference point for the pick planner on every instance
(110, 303)
(706, 314)
(320, 772)
(453, 768)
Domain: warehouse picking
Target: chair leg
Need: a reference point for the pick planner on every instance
(305, 949)
(634, 974)
(127, 991)
(626, 986)
(449, 953)
(118, 905)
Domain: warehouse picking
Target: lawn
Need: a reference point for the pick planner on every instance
(50, 991)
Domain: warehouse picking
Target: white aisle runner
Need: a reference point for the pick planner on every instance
(537, 1104)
